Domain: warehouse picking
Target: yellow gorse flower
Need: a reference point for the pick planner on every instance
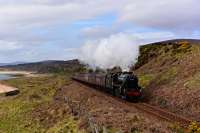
(194, 128)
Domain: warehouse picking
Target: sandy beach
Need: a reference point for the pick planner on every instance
(25, 73)
(7, 89)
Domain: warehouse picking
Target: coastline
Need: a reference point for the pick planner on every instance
(20, 73)
(8, 90)
(10, 72)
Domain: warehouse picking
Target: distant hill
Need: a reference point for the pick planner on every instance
(12, 63)
(170, 73)
(51, 66)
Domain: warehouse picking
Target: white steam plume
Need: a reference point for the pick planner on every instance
(118, 50)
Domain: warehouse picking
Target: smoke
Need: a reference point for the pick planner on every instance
(117, 50)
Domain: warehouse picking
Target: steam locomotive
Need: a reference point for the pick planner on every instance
(121, 84)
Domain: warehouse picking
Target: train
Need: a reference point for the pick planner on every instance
(120, 84)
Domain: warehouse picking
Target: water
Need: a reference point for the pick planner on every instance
(5, 76)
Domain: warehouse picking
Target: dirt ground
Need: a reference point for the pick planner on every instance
(97, 110)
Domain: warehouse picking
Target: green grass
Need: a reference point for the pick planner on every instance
(167, 76)
(65, 126)
(16, 112)
(145, 79)
(193, 82)
(175, 128)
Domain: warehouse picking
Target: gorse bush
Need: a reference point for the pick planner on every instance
(184, 44)
(151, 51)
(194, 128)
(181, 47)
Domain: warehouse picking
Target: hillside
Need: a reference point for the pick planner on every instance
(170, 74)
(49, 66)
(13, 63)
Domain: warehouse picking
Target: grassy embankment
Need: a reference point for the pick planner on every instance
(158, 63)
(169, 72)
(17, 113)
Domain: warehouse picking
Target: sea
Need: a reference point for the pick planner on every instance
(5, 76)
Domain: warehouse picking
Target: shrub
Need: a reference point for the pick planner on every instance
(194, 128)
(175, 128)
(181, 47)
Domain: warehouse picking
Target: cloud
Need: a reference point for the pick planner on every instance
(170, 14)
(35, 22)
(23, 15)
(98, 31)
(25, 25)
(9, 46)
(175, 15)
(37, 13)
(150, 37)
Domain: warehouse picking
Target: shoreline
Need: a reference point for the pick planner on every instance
(8, 90)
(15, 72)
(19, 73)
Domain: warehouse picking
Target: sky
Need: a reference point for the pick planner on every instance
(36, 30)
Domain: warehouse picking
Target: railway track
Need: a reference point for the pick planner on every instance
(159, 113)
(163, 114)
(152, 110)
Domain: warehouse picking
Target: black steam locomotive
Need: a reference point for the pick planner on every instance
(121, 84)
